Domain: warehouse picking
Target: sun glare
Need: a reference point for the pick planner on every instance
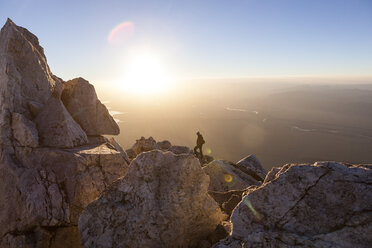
(146, 74)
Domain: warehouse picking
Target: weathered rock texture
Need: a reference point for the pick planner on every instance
(161, 202)
(29, 88)
(48, 172)
(252, 166)
(325, 204)
(81, 101)
(227, 176)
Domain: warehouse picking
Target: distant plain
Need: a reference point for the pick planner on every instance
(279, 122)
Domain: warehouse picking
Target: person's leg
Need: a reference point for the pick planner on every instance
(196, 147)
(201, 151)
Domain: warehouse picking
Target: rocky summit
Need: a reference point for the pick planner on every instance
(63, 184)
(50, 168)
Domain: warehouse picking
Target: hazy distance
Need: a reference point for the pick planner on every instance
(280, 121)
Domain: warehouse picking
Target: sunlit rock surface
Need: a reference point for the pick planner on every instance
(48, 172)
(226, 176)
(80, 99)
(161, 202)
(325, 204)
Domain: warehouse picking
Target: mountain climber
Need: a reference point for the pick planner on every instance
(199, 144)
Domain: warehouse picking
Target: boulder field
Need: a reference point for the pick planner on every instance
(64, 184)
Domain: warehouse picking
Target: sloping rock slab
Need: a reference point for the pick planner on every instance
(161, 202)
(225, 176)
(325, 204)
(80, 99)
(252, 166)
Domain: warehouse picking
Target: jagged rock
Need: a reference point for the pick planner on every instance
(43, 188)
(24, 131)
(50, 187)
(252, 166)
(57, 128)
(144, 145)
(161, 202)
(226, 176)
(163, 145)
(28, 87)
(227, 200)
(80, 99)
(118, 148)
(180, 150)
(325, 204)
(131, 153)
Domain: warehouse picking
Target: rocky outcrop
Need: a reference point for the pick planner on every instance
(80, 99)
(29, 88)
(252, 166)
(144, 145)
(180, 150)
(161, 202)
(57, 128)
(325, 204)
(48, 188)
(225, 176)
(163, 145)
(48, 171)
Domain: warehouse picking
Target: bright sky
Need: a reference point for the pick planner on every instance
(99, 40)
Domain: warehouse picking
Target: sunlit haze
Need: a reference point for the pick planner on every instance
(285, 80)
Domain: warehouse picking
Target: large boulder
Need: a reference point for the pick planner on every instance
(163, 201)
(80, 99)
(325, 204)
(225, 176)
(48, 188)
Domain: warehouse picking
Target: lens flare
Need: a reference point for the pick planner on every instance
(208, 151)
(254, 211)
(120, 33)
(228, 178)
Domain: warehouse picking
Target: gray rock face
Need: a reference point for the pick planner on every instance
(43, 185)
(252, 166)
(57, 128)
(50, 187)
(325, 204)
(24, 131)
(161, 202)
(225, 176)
(28, 87)
(80, 99)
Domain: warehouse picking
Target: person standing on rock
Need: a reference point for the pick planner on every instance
(199, 144)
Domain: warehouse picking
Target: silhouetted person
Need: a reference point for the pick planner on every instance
(199, 144)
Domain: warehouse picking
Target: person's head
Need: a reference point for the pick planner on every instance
(198, 133)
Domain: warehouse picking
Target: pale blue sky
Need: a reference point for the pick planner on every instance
(197, 39)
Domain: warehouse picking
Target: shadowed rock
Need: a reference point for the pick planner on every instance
(80, 99)
(252, 166)
(57, 128)
(325, 204)
(43, 188)
(225, 176)
(28, 87)
(161, 202)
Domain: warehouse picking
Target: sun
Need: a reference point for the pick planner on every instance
(145, 74)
